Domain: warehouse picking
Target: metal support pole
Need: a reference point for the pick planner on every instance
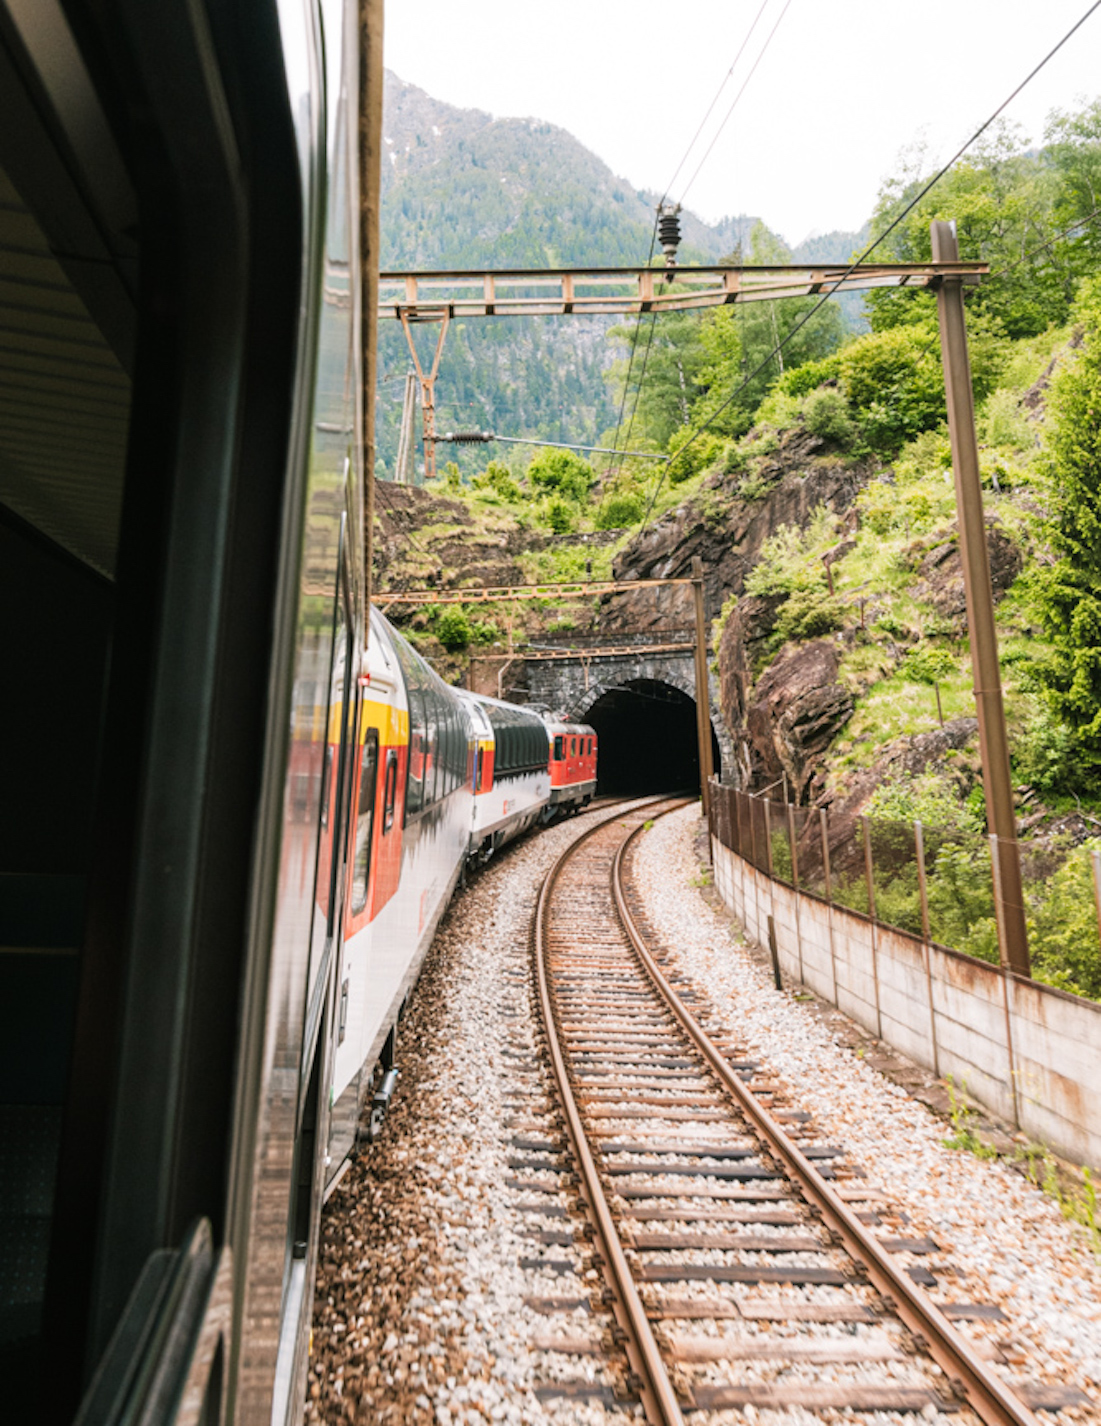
(993, 739)
(795, 890)
(703, 696)
(365, 321)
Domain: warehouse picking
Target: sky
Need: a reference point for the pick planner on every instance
(840, 89)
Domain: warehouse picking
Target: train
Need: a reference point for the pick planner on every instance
(439, 779)
(235, 801)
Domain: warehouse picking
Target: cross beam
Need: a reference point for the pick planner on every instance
(615, 291)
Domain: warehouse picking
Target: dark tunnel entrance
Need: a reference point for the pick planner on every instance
(647, 733)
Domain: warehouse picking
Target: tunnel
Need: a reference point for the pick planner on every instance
(647, 739)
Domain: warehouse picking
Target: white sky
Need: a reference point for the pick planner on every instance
(843, 87)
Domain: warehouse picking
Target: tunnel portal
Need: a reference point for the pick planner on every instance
(647, 732)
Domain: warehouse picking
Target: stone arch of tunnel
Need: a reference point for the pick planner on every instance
(648, 740)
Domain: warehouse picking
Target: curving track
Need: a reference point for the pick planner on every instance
(737, 1248)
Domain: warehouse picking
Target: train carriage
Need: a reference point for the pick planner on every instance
(572, 765)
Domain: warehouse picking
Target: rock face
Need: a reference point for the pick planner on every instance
(727, 531)
(941, 571)
(794, 712)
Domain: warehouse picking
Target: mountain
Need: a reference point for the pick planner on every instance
(462, 189)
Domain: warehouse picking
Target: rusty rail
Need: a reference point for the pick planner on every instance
(990, 1398)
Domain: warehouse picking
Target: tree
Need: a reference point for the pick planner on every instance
(561, 473)
(1070, 594)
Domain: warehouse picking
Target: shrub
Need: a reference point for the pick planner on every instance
(928, 798)
(453, 629)
(1046, 755)
(801, 380)
(808, 613)
(1005, 424)
(826, 413)
(561, 472)
(498, 478)
(560, 515)
(1063, 927)
(927, 665)
(620, 511)
(783, 566)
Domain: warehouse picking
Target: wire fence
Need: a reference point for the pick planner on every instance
(933, 882)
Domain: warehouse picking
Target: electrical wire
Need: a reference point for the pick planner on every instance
(802, 322)
(1001, 272)
(718, 92)
(737, 97)
(653, 236)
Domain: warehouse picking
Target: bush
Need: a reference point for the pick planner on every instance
(927, 798)
(619, 511)
(930, 665)
(561, 472)
(498, 478)
(1004, 423)
(1046, 756)
(560, 515)
(809, 613)
(1063, 927)
(826, 413)
(453, 629)
(802, 380)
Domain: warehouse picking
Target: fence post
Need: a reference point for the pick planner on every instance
(1095, 858)
(795, 890)
(1005, 972)
(869, 875)
(824, 826)
(926, 941)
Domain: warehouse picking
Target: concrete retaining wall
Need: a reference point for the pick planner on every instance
(1028, 1052)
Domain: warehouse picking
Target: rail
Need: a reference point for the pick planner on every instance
(570, 1030)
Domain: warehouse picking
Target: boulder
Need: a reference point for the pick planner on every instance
(941, 571)
(794, 713)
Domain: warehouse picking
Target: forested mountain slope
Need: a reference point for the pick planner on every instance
(464, 190)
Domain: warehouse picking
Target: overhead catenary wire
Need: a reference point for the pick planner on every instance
(805, 318)
(737, 97)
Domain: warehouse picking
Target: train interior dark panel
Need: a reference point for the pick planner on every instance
(648, 741)
(66, 331)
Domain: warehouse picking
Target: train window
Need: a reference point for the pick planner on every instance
(573, 747)
(559, 748)
(390, 790)
(365, 816)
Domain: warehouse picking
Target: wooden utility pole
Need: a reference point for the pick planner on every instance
(1001, 819)
(703, 697)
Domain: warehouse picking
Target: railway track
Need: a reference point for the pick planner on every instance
(738, 1251)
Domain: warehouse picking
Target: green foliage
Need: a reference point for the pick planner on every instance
(620, 511)
(962, 1118)
(498, 478)
(808, 613)
(1004, 422)
(454, 630)
(928, 798)
(1045, 756)
(826, 413)
(1062, 929)
(961, 900)
(894, 383)
(802, 380)
(785, 563)
(931, 665)
(1070, 595)
(562, 472)
(560, 515)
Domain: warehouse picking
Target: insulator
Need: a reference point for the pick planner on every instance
(468, 438)
(669, 233)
